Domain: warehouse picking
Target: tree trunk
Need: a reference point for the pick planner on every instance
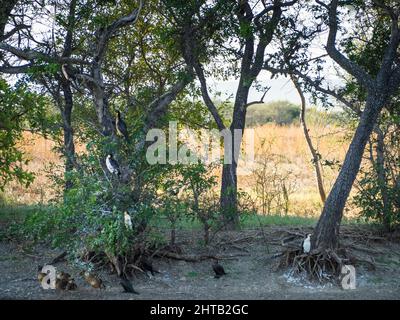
(101, 102)
(382, 181)
(315, 156)
(5, 11)
(69, 146)
(228, 199)
(326, 234)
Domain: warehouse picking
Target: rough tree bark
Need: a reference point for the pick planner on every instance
(66, 110)
(5, 11)
(69, 146)
(326, 234)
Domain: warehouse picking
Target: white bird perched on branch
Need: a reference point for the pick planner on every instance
(127, 220)
(307, 244)
(112, 165)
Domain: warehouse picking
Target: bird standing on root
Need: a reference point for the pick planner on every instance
(307, 244)
(127, 285)
(112, 165)
(93, 280)
(122, 129)
(218, 269)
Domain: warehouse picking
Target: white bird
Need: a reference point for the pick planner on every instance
(112, 165)
(307, 244)
(65, 72)
(127, 220)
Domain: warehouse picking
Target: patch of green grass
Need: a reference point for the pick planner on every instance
(14, 213)
(192, 274)
(184, 223)
(253, 220)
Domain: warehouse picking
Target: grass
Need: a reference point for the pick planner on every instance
(287, 141)
(253, 220)
(14, 213)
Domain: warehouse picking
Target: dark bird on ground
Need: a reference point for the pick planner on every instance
(64, 281)
(147, 265)
(71, 285)
(127, 285)
(122, 129)
(61, 284)
(93, 280)
(63, 275)
(112, 165)
(218, 269)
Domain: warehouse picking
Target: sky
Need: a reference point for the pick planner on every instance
(281, 89)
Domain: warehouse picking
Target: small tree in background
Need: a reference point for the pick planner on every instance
(20, 110)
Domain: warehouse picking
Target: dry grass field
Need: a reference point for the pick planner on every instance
(282, 147)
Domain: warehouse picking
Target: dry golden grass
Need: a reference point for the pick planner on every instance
(288, 143)
(40, 153)
(285, 141)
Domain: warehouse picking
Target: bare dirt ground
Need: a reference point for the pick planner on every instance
(251, 274)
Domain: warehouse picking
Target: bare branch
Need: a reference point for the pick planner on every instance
(158, 106)
(193, 62)
(15, 69)
(315, 85)
(391, 51)
(259, 101)
(109, 31)
(30, 55)
(352, 68)
(13, 31)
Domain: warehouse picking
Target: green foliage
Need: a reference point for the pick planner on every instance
(188, 192)
(378, 194)
(20, 109)
(369, 199)
(280, 112)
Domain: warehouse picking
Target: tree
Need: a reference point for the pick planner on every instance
(20, 110)
(6, 7)
(379, 87)
(315, 155)
(369, 54)
(204, 29)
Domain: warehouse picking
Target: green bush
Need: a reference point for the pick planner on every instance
(280, 112)
(369, 199)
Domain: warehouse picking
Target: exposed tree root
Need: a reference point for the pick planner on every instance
(322, 265)
(195, 258)
(319, 265)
